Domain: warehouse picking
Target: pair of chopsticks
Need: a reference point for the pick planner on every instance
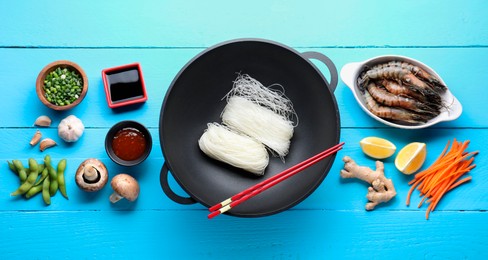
(268, 183)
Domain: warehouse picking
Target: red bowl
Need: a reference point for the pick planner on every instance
(124, 85)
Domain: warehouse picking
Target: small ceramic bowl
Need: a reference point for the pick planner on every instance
(124, 85)
(51, 67)
(351, 71)
(130, 146)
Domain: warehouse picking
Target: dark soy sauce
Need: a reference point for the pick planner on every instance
(125, 85)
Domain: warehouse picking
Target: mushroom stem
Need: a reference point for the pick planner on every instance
(115, 197)
(90, 173)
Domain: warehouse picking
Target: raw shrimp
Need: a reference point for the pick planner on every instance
(401, 90)
(422, 74)
(400, 75)
(393, 113)
(382, 96)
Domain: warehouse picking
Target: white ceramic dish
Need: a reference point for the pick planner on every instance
(351, 71)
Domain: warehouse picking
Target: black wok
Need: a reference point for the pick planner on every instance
(195, 99)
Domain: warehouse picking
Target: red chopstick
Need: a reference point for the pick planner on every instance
(268, 183)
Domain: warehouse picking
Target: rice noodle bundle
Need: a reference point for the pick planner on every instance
(260, 123)
(220, 143)
(261, 112)
(275, 99)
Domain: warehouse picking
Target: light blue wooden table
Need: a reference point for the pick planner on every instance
(450, 36)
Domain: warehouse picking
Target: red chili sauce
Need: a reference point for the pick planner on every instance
(129, 144)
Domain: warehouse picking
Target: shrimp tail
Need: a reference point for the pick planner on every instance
(431, 95)
(362, 81)
(436, 85)
(382, 96)
(431, 80)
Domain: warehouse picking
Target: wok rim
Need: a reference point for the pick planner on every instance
(326, 168)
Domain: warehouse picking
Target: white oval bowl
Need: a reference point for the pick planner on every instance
(351, 71)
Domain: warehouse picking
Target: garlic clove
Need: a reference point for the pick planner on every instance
(36, 138)
(43, 121)
(46, 143)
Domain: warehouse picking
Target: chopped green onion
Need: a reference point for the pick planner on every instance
(62, 86)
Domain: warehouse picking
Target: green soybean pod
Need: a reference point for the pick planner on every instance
(41, 167)
(53, 176)
(45, 191)
(20, 169)
(61, 184)
(33, 191)
(11, 166)
(44, 174)
(31, 179)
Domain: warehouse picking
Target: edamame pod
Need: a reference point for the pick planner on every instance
(44, 174)
(20, 170)
(53, 176)
(45, 191)
(61, 184)
(47, 161)
(12, 167)
(33, 191)
(31, 179)
(41, 168)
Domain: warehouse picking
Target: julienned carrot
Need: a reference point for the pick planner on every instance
(460, 182)
(451, 163)
(452, 166)
(443, 175)
(435, 162)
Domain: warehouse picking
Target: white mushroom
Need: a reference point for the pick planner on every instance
(91, 175)
(125, 186)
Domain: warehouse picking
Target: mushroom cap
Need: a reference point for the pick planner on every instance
(80, 181)
(126, 186)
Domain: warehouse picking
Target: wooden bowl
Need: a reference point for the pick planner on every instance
(51, 67)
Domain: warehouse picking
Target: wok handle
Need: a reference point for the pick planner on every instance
(330, 65)
(163, 178)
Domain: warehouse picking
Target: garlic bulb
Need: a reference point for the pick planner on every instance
(70, 129)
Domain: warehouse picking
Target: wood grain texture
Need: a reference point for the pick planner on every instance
(333, 194)
(177, 24)
(160, 66)
(449, 36)
(186, 234)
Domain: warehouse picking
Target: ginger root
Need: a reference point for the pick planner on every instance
(381, 189)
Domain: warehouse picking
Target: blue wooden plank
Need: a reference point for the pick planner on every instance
(303, 234)
(160, 66)
(332, 194)
(450, 36)
(197, 23)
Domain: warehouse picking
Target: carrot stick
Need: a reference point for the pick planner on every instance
(443, 172)
(443, 175)
(435, 162)
(451, 185)
(460, 182)
(428, 211)
(411, 191)
(421, 202)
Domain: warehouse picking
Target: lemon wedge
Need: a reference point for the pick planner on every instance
(377, 148)
(411, 157)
